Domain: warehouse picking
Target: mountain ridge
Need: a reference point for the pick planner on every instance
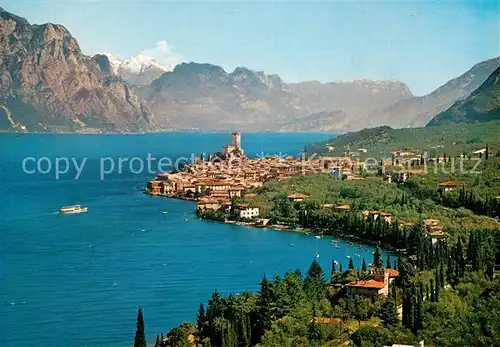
(48, 84)
(482, 105)
(419, 110)
(202, 93)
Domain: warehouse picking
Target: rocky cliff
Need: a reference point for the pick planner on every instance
(47, 84)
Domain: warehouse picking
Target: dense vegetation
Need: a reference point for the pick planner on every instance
(475, 204)
(452, 139)
(447, 293)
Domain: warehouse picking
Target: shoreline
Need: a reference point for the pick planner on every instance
(289, 228)
(205, 131)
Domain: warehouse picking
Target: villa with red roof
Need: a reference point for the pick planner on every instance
(378, 284)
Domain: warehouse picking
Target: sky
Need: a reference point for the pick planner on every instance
(421, 43)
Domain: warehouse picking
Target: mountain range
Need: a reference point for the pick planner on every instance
(48, 84)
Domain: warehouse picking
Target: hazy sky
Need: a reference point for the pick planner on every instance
(421, 43)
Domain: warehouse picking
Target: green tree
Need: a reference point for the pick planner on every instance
(315, 272)
(140, 336)
(314, 283)
(201, 319)
(351, 264)
(266, 306)
(378, 263)
(388, 312)
(158, 341)
(314, 330)
(359, 308)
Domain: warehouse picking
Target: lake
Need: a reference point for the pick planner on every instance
(77, 280)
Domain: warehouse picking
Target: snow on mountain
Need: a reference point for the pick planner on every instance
(141, 63)
(138, 64)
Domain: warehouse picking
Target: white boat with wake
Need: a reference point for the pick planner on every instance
(75, 209)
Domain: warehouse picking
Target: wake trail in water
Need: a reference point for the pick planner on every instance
(31, 216)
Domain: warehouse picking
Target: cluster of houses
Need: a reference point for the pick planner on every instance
(231, 173)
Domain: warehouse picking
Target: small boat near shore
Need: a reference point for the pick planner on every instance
(74, 209)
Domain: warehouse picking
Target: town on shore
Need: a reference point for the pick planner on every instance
(225, 181)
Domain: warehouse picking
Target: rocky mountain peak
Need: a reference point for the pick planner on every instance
(47, 84)
(4, 15)
(196, 75)
(243, 76)
(104, 64)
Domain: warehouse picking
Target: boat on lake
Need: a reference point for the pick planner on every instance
(75, 209)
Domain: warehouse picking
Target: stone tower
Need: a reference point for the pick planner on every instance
(236, 140)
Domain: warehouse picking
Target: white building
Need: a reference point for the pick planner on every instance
(247, 211)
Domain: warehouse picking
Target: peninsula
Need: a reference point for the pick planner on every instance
(214, 181)
(352, 194)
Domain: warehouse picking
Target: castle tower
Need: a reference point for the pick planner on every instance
(236, 140)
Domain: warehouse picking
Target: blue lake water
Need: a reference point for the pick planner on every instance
(78, 280)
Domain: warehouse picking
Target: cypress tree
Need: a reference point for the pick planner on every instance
(437, 277)
(407, 308)
(158, 341)
(421, 290)
(441, 274)
(340, 268)
(433, 295)
(334, 271)
(351, 264)
(388, 262)
(363, 266)
(140, 336)
(378, 263)
(418, 312)
(394, 292)
(436, 295)
(460, 259)
(201, 319)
